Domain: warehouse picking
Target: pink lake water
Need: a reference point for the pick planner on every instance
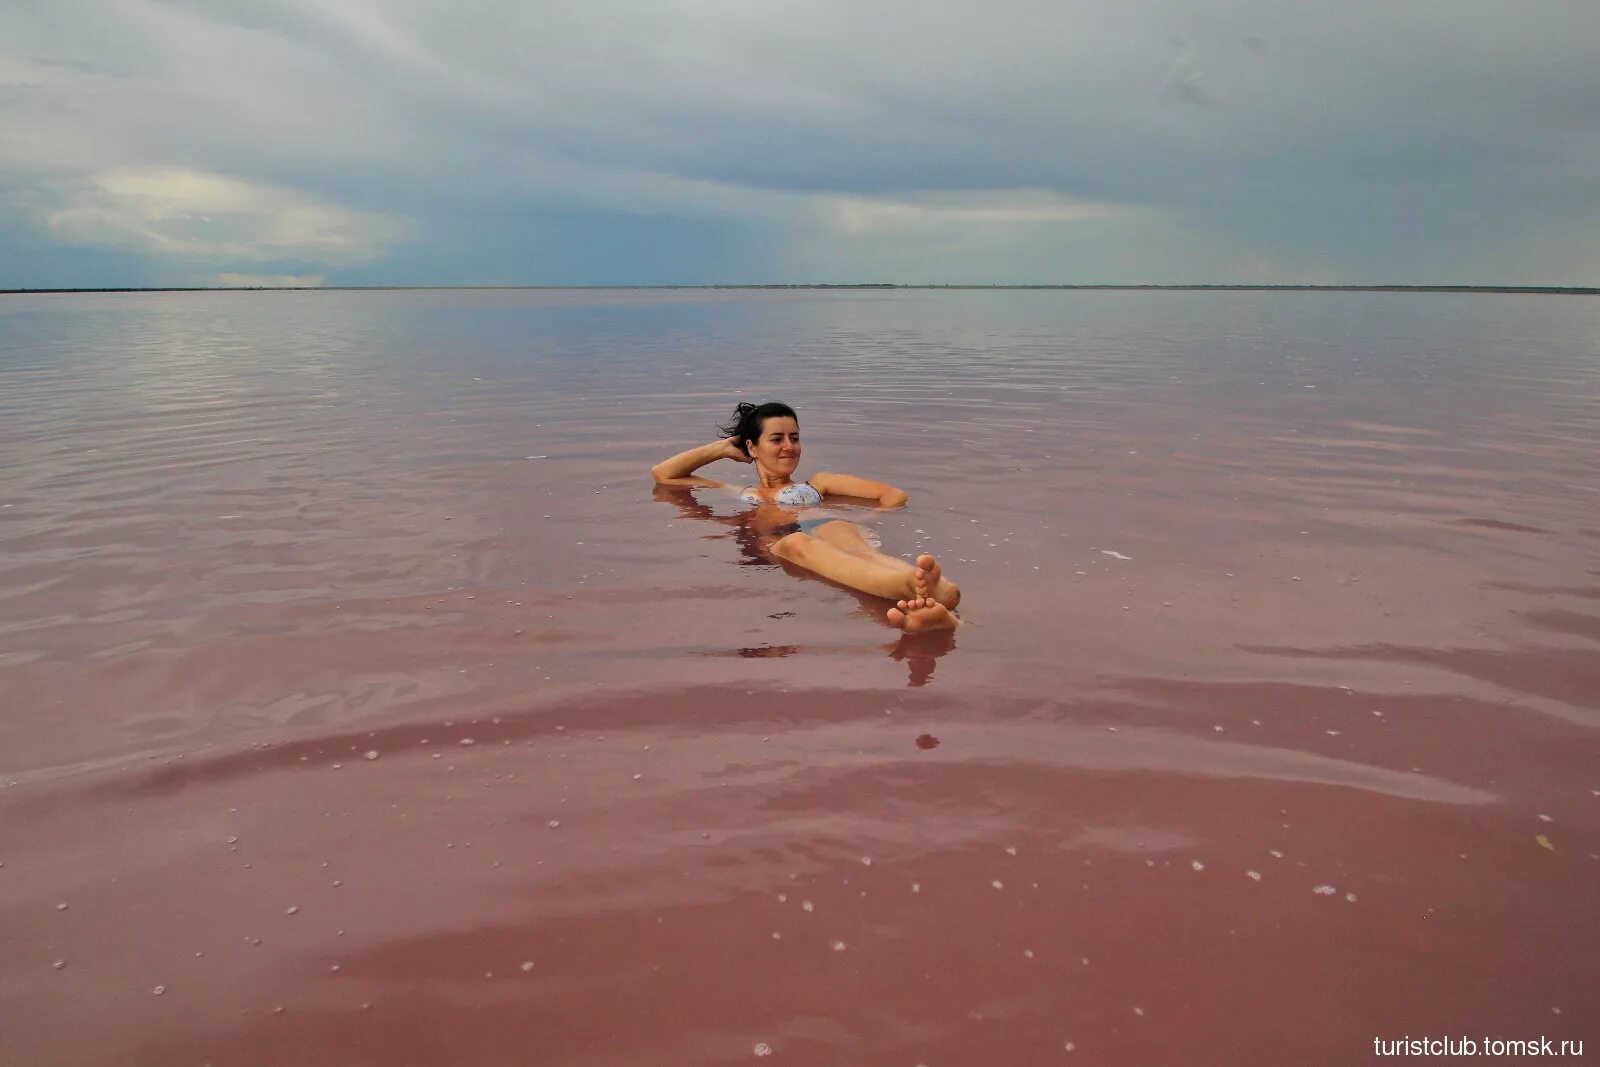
(362, 702)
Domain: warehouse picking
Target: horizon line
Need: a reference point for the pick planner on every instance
(1562, 290)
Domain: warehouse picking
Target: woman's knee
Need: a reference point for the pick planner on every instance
(795, 547)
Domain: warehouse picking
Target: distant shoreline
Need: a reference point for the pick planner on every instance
(1542, 290)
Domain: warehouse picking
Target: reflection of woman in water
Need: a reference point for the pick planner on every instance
(769, 437)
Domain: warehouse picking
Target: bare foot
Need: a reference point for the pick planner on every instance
(930, 608)
(920, 614)
(929, 582)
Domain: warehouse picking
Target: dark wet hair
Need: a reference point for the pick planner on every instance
(750, 419)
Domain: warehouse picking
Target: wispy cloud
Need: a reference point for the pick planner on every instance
(860, 214)
(200, 216)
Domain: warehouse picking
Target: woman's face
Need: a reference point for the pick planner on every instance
(777, 450)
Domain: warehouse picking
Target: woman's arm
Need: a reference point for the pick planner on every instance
(887, 496)
(679, 470)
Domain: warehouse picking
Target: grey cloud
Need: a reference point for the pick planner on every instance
(82, 67)
(1353, 136)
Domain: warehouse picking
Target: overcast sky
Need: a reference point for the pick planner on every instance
(203, 142)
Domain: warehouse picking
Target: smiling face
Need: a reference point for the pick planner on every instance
(777, 450)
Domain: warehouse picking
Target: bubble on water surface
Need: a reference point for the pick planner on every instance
(1197, 865)
(1324, 890)
(998, 884)
(839, 946)
(291, 909)
(1255, 876)
(762, 1049)
(158, 990)
(527, 965)
(806, 905)
(59, 964)
(372, 753)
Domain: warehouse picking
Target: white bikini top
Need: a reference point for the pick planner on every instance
(802, 494)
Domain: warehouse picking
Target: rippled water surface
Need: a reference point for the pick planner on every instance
(361, 702)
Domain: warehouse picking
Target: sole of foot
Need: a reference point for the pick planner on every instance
(929, 583)
(920, 614)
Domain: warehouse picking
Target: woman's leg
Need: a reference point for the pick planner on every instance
(840, 551)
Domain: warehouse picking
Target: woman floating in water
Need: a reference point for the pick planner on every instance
(768, 435)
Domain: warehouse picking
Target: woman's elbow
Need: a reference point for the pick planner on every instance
(894, 498)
